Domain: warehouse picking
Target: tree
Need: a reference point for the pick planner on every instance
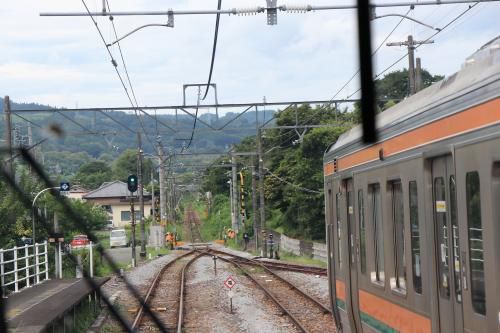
(392, 88)
(126, 165)
(93, 174)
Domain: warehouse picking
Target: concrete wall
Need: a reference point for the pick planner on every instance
(301, 247)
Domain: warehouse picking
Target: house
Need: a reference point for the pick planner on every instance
(77, 192)
(115, 198)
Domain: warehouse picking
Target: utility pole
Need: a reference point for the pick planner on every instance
(411, 44)
(261, 189)
(8, 133)
(419, 84)
(254, 206)
(141, 194)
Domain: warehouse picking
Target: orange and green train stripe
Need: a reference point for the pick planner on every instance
(480, 116)
(383, 315)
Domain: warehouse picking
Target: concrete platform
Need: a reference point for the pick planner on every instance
(34, 308)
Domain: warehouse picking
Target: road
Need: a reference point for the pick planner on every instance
(123, 255)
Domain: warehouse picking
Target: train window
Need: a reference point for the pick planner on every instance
(456, 244)
(339, 230)
(399, 236)
(442, 236)
(378, 235)
(476, 255)
(415, 238)
(362, 232)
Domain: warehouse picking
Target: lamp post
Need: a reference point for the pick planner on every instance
(33, 208)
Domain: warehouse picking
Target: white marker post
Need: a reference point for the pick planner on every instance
(230, 283)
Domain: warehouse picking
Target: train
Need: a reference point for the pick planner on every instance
(413, 220)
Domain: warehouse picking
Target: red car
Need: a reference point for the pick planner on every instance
(79, 241)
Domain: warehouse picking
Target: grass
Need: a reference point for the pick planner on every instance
(303, 260)
(152, 251)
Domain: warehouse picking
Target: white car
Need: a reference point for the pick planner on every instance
(118, 237)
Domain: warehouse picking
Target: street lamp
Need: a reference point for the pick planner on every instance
(33, 208)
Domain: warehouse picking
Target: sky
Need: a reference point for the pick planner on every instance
(308, 56)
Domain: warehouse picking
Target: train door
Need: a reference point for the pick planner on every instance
(447, 247)
(351, 267)
(330, 236)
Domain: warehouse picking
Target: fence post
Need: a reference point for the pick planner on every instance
(27, 264)
(37, 262)
(46, 261)
(2, 272)
(16, 287)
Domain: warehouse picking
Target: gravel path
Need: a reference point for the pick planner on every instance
(207, 302)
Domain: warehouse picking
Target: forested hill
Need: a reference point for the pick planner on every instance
(93, 135)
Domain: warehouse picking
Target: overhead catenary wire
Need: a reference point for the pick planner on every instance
(373, 54)
(115, 65)
(416, 47)
(128, 76)
(214, 49)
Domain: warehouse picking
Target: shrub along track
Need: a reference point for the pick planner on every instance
(308, 314)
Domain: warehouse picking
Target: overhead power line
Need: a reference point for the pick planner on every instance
(263, 10)
(216, 34)
(416, 47)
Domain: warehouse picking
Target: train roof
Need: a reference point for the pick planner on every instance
(479, 70)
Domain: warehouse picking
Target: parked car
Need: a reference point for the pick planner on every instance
(79, 241)
(118, 237)
(109, 225)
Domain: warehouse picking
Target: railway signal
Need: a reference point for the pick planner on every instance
(132, 183)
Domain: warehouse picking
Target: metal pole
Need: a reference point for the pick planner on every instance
(234, 185)
(8, 133)
(91, 260)
(261, 189)
(153, 194)
(141, 195)
(161, 171)
(132, 212)
(254, 206)
(33, 209)
(56, 248)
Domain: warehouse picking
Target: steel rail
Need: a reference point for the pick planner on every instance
(180, 315)
(295, 268)
(268, 293)
(153, 286)
(257, 263)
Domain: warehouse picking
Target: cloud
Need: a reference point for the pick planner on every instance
(306, 56)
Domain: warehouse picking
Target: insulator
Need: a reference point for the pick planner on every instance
(296, 8)
(247, 11)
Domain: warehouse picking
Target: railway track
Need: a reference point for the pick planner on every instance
(307, 313)
(192, 224)
(165, 296)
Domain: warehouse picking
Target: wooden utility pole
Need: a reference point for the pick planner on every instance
(8, 133)
(411, 44)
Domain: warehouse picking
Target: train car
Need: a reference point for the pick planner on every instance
(413, 221)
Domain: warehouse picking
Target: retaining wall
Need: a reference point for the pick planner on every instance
(300, 247)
